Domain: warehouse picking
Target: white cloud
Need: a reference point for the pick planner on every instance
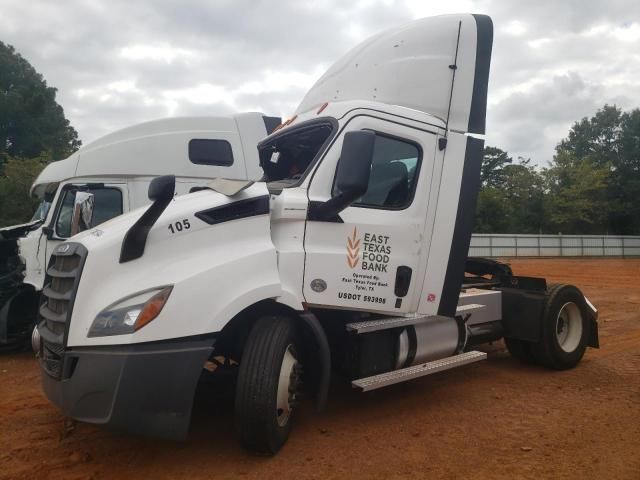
(116, 63)
(163, 53)
(515, 28)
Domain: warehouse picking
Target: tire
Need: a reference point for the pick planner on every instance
(520, 350)
(262, 424)
(565, 329)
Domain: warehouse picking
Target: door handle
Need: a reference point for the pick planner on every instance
(403, 280)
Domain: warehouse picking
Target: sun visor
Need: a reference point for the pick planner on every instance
(437, 65)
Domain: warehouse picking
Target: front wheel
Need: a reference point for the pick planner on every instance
(267, 388)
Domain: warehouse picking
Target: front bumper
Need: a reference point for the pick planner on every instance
(146, 388)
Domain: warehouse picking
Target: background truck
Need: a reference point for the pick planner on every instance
(350, 257)
(116, 170)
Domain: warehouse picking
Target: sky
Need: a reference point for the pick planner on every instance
(116, 63)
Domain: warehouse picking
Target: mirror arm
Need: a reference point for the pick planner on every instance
(328, 211)
(161, 191)
(136, 237)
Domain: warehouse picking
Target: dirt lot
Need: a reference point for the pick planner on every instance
(494, 419)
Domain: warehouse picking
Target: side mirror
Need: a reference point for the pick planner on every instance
(162, 188)
(354, 167)
(352, 175)
(82, 212)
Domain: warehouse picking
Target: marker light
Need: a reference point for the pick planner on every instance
(131, 313)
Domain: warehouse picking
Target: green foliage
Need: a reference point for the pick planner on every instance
(511, 199)
(592, 186)
(31, 121)
(33, 131)
(492, 211)
(608, 146)
(16, 206)
(576, 200)
(493, 164)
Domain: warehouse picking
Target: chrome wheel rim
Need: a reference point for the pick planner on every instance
(569, 327)
(287, 384)
(35, 340)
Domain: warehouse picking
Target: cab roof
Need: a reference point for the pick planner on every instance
(147, 149)
(437, 65)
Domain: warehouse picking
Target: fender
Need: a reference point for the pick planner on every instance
(324, 359)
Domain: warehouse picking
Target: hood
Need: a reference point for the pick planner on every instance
(15, 231)
(437, 65)
(219, 237)
(192, 206)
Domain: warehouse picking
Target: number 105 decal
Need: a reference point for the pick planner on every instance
(179, 226)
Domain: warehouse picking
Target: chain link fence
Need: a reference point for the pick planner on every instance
(505, 245)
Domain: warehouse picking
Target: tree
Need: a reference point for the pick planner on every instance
(31, 121)
(16, 206)
(524, 190)
(510, 200)
(492, 214)
(625, 181)
(608, 144)
(33, 131)
(493, 162)
(597, 137)
(576, 200)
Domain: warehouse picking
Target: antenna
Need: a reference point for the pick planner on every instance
(453, 67)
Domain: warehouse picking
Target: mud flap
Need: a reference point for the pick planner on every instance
(594, 339)
(523, 313)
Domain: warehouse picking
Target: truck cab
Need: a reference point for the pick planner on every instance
(115, 171)
(349, 258)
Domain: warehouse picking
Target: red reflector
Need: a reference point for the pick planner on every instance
(324, 105)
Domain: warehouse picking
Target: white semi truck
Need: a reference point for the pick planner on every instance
(114, 173)
(350, 257)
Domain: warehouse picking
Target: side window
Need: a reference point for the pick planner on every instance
(210, 152)
(394, 172)
(107, 204)
(63, 222)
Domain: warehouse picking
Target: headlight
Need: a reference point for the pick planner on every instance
(131, 313)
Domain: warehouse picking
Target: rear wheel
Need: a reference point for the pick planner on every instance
(565, 329)
(267, 388)
(520, 350)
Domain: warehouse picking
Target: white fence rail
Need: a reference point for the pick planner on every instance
(505, 245)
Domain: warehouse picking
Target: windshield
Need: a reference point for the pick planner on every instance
(107, 204)
(41, 211)
(286, 158)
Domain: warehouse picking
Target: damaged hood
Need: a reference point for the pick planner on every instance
(16, 231)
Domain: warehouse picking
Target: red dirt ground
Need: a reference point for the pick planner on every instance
(493, 419)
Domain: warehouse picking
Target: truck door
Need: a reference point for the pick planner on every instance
(369, 257)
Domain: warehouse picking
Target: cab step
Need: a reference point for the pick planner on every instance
(409, 373)
(383, 324)
(394, 322)
(469, 309)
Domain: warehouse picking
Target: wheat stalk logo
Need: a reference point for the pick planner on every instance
(353, 249)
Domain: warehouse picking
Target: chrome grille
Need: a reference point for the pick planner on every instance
(61, 282)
